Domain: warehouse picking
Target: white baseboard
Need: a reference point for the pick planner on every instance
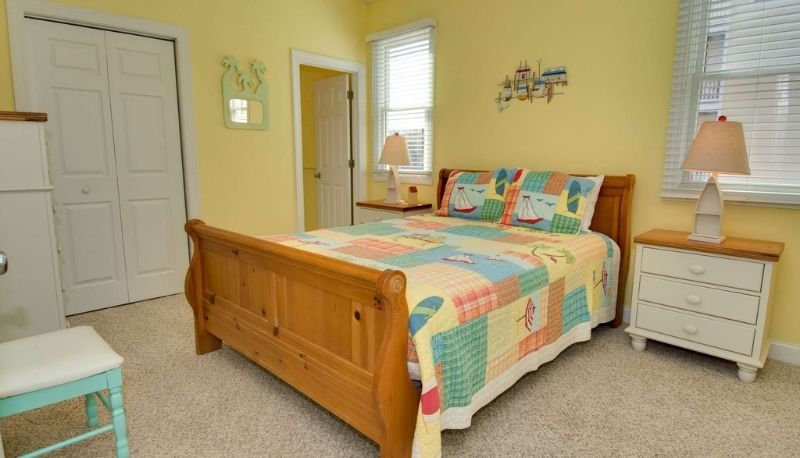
(784, 351)
(779, 350)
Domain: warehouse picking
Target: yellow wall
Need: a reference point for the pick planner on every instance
(246, 177)
(613, 118)
(308, 76)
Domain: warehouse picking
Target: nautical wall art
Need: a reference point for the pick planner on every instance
(529, 85)
(244, 95)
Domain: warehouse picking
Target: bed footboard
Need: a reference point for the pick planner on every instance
(335, 331)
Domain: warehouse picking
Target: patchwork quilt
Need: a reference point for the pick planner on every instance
(487, 302)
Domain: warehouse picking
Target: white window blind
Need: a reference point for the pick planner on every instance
(741, 59)
(402, 86)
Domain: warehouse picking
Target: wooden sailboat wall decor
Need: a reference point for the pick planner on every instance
(529, 85)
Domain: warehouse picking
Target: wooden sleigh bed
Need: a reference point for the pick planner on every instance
(335, 331)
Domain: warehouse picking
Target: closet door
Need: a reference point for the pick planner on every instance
(70, 83)
(144, 104)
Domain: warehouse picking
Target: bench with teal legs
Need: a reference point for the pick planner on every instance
(42, 370)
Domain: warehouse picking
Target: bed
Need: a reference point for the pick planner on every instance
(336, 327)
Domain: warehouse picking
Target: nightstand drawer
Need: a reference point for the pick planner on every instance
(366, 215)
(709, 301)
(736, 273)
(706, 331)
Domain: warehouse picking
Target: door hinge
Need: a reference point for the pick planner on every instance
(351, 163)
(350, 94)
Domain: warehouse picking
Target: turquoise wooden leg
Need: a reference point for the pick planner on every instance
(118, 420)
(91, 410)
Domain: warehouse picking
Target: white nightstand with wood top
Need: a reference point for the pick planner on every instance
(709, 298)
(370, 211)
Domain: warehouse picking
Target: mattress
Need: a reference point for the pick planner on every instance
(488, 303)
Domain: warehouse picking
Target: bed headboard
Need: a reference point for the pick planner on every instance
(612, 217)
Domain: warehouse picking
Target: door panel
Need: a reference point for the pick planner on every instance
(83, 150)
(146, 141)
(89, 227)
(332, 111)
(152, 216)
(71, 85)
(149, 168)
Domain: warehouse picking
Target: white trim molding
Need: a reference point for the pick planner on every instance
(358, 74)
(785, 351)
(626, 314)
(427, 22)
(18, 10)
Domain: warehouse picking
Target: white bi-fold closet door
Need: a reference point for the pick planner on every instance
(114, 152)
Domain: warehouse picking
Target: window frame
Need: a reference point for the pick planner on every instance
(379, 172)
(690, 75)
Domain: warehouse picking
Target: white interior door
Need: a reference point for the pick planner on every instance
(144, 104)
(114, 149)
(332, 112)
(71, 85)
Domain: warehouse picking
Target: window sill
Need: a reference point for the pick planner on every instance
(769, 201)
(420, 178)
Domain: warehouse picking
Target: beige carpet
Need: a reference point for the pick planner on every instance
(598, 398)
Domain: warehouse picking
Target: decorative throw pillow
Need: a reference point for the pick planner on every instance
(591, 202)
(550, 201)
(476, 195)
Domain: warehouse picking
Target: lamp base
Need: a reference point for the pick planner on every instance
(706, 239)
(707, 225)
(393, 186)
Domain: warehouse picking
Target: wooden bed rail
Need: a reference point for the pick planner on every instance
(336, 331)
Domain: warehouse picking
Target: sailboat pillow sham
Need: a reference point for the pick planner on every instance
(550, 201)
(476, 195)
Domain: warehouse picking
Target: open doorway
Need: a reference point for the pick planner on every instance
(325, 103)
(330, 139)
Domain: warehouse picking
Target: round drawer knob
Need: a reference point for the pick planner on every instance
(694, 299)
(86, 190)
(697, 269)
(690, 329)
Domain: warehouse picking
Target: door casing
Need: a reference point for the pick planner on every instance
(115, 187)
(358, 120)
(17, 10)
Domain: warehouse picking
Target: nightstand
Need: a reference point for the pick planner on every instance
(709, 298)
(370, 211)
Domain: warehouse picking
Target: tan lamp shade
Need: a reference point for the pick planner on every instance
(718, 147)
(395, 151)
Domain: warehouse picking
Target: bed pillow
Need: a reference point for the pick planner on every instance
(550, 201)
(476, 195)
(591, 201)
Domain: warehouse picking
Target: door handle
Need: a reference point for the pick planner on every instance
(3, 263)
(317, 175)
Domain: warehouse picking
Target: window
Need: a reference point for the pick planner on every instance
(238, 109)
(741, 59)
(402, 90)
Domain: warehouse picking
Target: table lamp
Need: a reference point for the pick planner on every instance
(718, 148)
(395, 152)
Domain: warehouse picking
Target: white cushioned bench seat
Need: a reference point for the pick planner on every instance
(52, 359)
